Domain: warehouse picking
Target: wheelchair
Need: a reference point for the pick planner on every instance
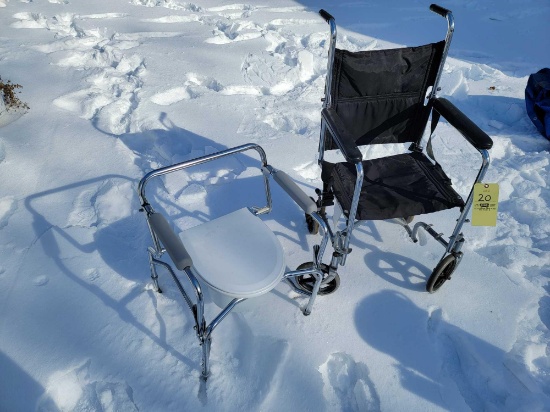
(371, 97)
(387, 96)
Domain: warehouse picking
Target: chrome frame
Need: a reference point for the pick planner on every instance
(327, 100)
(155, 252)
(200, 160)
(332, 49)
(448, 39)
(340, 240)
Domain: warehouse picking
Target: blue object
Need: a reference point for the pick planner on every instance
(537, 100)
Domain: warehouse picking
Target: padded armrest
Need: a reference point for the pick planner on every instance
(477, 137)
(343, 138)
(297, 194)
(171, 242)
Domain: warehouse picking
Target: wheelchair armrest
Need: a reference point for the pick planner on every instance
(477, 137)
(297, 194)
(343, 138)
(171, 242)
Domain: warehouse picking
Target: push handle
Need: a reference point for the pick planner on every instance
(442, 11)
(326, 15)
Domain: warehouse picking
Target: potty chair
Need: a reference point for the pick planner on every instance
(235, 258)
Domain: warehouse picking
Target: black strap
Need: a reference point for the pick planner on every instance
(435, 120)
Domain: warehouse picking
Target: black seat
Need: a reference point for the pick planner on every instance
(387, 96)
(396, 186)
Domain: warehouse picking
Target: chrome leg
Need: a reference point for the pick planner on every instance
(317, 273)
(321, 155)
(319, 250)
(353, 211)
(309, 307)
(484, 166)
(335, 261)
(153, 269)
(205, 335)
(206, 343)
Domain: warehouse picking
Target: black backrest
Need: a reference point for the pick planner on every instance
(380, 94)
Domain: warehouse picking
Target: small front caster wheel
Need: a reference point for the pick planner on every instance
(312, 225)
(307, 282)
(441, 273)
(408, 219)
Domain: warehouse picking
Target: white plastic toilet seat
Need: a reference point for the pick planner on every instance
(236, 254)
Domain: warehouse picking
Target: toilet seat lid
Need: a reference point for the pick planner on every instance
(236, 254)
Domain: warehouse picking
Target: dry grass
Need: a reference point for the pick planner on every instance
(8, 92)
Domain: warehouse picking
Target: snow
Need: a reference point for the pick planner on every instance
(116, 88)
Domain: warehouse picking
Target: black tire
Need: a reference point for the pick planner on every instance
(312, 225)
(441, 273)
(306, 282)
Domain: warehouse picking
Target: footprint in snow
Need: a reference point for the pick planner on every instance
(309, 171)
(234, 11)
(115, 77)
(72, 390)
(168, 4)
(40, 280)
(347, 385)
(8, 206)
(174, 95)
(230, 32)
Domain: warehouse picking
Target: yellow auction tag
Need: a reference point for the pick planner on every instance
(485, 204)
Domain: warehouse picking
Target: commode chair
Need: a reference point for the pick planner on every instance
(236, 256)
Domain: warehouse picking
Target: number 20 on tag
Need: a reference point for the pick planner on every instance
(485, 204)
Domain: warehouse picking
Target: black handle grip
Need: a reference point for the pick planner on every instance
(442, 11)
(326, 15)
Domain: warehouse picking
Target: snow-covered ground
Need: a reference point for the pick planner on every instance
(116, 88)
